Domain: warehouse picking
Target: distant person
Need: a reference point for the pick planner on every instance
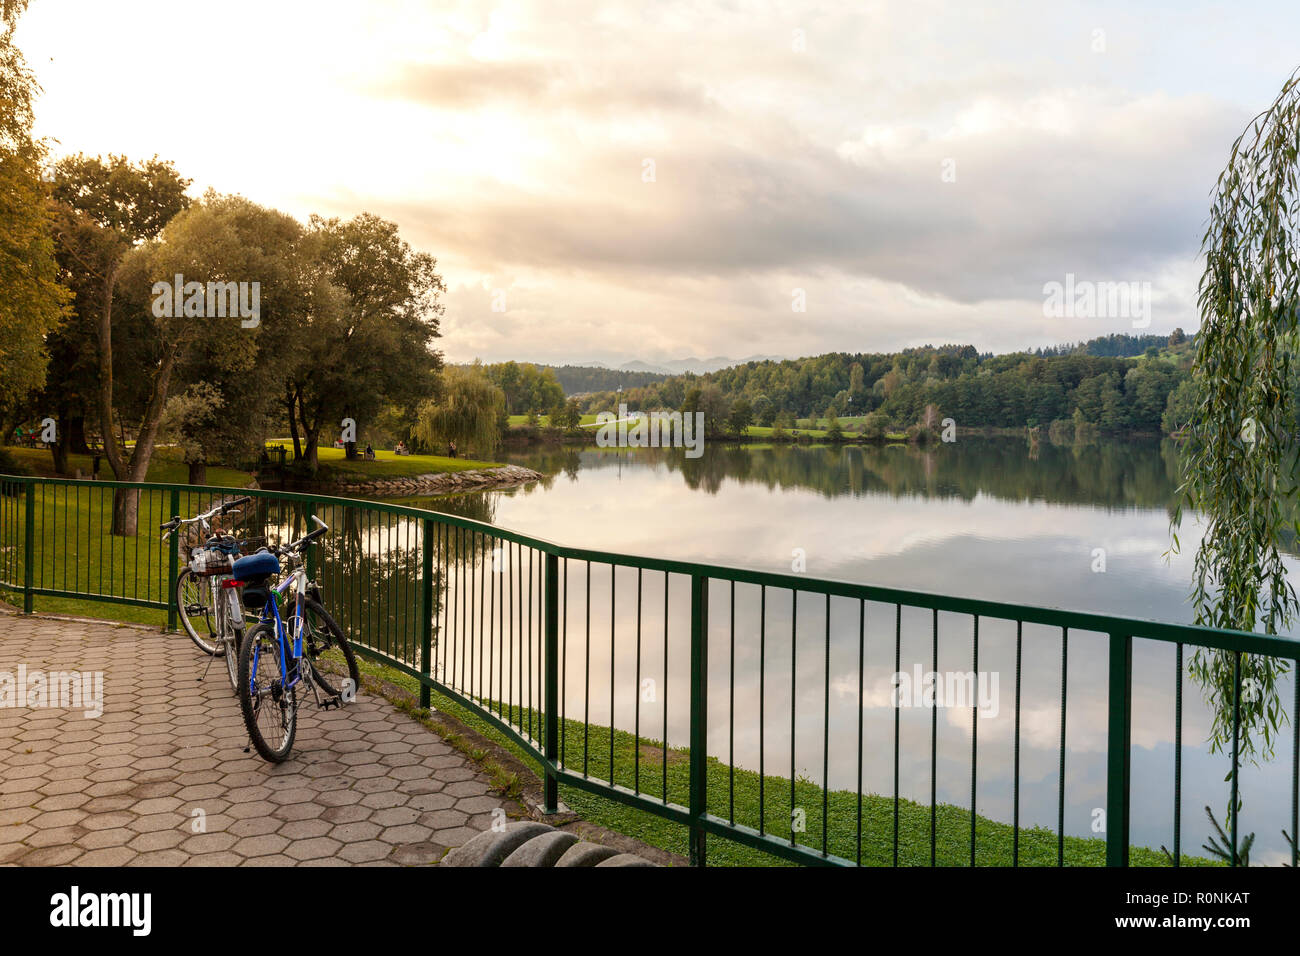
(451, 449)
(370, 453)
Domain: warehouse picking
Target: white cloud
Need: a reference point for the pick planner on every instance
(508, 141)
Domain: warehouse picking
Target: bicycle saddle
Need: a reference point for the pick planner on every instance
(252, 566)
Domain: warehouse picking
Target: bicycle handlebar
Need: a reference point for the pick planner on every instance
(305, 540)
(222, 509)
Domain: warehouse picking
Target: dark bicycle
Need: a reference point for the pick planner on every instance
(210, 615)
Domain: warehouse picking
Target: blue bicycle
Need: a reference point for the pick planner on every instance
(284, 654)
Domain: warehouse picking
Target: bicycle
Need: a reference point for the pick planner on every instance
(213, 621)
(273, 653)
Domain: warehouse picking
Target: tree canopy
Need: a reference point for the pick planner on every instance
(33, 302)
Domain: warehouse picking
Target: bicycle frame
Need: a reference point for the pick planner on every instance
(297, 581)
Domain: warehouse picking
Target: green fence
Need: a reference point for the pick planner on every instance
(567, 650)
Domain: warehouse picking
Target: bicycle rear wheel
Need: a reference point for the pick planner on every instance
(231, 630)
(232, 642)
(195, 613)
(270, 709)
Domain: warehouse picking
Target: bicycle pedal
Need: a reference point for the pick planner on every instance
(329, 702)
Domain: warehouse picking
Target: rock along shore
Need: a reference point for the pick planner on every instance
(443, 483)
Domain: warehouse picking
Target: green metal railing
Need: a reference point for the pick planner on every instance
(502, 624)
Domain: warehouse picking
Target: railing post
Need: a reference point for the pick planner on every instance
(173, 561)
(1119, 726)
(426, 614)
(699, 715)
(29, 547)
(551, 744)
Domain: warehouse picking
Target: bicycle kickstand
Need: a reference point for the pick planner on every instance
(204, 676)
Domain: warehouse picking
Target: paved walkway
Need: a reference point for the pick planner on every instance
(161, 777)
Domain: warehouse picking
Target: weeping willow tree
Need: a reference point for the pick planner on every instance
(467, 413)
(1240, 459)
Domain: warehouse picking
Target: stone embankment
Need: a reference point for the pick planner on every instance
(443, 483)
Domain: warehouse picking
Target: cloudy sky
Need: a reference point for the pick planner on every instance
(656, 180)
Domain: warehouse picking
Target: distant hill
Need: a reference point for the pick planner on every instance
(596, 377)
(696, 366)
(588, 377)
(580, 379)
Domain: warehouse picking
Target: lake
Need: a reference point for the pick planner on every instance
(1082, 527)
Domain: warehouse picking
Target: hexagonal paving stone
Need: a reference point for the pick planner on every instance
(356, 832)
(313, 849)
(366, 786)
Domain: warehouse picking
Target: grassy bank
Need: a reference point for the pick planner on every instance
(387, 464)
(993, 840)
(803, 429)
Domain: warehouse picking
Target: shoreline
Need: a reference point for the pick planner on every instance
(439, 483)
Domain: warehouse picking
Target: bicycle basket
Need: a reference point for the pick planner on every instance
(206, 562)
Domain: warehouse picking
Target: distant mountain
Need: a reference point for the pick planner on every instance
(697, 366)
(580, 379)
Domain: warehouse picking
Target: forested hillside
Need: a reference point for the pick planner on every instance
(1111, 392)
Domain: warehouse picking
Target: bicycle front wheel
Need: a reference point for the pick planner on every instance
(194, 609)
(331, 656)
(270, 709)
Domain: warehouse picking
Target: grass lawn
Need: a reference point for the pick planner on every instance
(166, 467)
(993, 840)
(763, 431)
(387, 464)
(76, 556)
(99, 563)
(545, 420)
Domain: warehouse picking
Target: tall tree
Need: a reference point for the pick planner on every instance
(379, 350)
(105, 210)
(33, 301)
(233, 372)
(465, 412)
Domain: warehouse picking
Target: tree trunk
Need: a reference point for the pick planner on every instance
(75, 430)
(311, 428)
(313, 459)
(293, 426)
(198, 473)
(104, 330)
(350, 450)
(60, 451)
(126, 506)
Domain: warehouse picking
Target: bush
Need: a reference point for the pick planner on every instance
(875, 425)
(9, 465)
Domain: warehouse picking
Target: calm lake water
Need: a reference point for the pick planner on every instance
(986, 518)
